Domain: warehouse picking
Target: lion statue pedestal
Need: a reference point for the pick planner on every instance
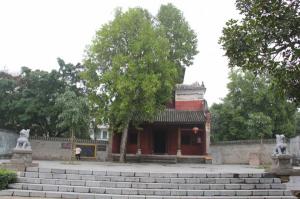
(22, 153)
(281, 160)
(281, 164)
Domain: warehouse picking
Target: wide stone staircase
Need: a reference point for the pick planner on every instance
(88, 184)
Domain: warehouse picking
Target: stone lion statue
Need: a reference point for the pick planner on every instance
(280, 145)
(22, 141)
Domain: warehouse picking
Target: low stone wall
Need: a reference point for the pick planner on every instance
(295, 149)
(238, 152)
(59, 148)
(8, 140)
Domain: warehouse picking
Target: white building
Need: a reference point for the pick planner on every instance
(100, 133)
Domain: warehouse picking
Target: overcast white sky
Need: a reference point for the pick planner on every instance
(34, 33)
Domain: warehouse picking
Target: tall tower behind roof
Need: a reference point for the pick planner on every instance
(190, 97)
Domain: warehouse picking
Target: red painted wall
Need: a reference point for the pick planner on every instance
(172, 141)
(196, 148)
(131, 148)
(195, 105)
(146, 141)
(147, 145)
(116, 143)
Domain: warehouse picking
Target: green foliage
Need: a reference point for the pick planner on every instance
(259, 125)
(267, 40)
(8, 84)
(182, 39)
(70, 75)
(7, 177)
(133, 64)
(252, 109)
(28, 100)
(74, 113)
(36, 98)
(128, 73)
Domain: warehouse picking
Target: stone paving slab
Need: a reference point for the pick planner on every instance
(214, 191)
(17, 197)
(94, 196)
(146, 167)
(35, 186)
(154, 197)
(294, 183)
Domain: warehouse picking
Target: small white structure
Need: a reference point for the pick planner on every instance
(100, 133)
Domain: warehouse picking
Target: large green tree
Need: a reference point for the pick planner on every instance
(35, 101)
(252, 109)
(128, 73)
(8, 85)
(73, 116)
(182, 39)
(267, 40)
(70, 75)
(28, 100)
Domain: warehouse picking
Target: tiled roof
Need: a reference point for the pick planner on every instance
(178, 116)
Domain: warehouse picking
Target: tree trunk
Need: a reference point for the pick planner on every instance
(123, 144)
(110, 143)
(72, 145)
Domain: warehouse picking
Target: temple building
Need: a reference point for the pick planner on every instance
(179, 133)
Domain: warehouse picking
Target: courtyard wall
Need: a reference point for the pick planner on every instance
(239, 151)
(59, 148)
(295, 149)
(227, 152)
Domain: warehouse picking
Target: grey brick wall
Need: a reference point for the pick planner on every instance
(52, 149)
(238, 152)
(8, 141)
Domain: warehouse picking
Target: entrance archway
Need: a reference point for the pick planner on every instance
(159, 141)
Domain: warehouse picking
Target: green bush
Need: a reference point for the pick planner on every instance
(7, 177)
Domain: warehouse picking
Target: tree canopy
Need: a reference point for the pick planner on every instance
(73, 113)
(28, 100)
(182, 39)
(252, 109)
(267, 40)
(129, 70)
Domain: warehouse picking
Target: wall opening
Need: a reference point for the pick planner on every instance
(159, 141)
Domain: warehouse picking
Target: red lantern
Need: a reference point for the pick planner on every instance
(195, 129)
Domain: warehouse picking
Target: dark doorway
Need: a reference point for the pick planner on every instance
(159, 138)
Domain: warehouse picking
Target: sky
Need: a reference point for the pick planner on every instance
(35, 33)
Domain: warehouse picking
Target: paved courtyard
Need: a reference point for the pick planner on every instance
(149, 167)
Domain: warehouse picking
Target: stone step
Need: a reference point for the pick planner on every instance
(152, 179)
(149, 174)
(150, 185)
(54, 194)
(68, 183)
(136, 191)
